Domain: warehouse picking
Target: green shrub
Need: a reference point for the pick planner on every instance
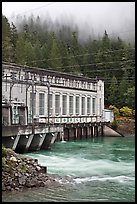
(126, 111)
(3, 162)
(115, 124)
(4, 151)
(115, 110)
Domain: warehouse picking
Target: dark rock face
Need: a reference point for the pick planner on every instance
(18, 173)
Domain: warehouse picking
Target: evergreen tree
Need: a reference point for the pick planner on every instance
(29, 54)
(74, 52)
(113, 92)
(130, 97)
(44, 55)
(14, 37)
(55, 60)
(20, 50)
(123, 86)
(6, 40)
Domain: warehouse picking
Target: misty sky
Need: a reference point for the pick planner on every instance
(91, 17)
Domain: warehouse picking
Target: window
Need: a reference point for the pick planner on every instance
(88, 85)
(88, 105)
(83, 106)
(93, 105)
(77, 104)
(41, 103)
(70, 83)
(50, 104)
(70, 104)
(94, 86)
(15, 115)
(57, 104)
(34, 103)
(64, 105)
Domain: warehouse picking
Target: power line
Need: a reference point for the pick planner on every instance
(100, 63)
(37, 8)
(94, 53)
(103, 70)
(109, 78)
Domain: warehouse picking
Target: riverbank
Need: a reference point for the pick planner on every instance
(125, 126)
(19, 172)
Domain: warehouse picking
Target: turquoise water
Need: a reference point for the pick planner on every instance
(99, 169)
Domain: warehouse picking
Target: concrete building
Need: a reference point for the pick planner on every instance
(71, 98)
(40, 106)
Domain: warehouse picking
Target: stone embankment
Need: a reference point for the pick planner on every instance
(19, 172)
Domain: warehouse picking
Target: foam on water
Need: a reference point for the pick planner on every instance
(120, 179)
(78, 166)
(99, 170)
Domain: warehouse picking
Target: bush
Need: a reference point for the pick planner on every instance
(115, 124)
(115, 110)
(4, 151)
(3, 162)
(126, 111)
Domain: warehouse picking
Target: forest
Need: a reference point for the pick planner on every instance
(44, 44)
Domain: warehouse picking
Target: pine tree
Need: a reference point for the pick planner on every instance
(29, 54)
(14, 37)
(6, 40)
(123, 86)
(54, 61)
(130, 97)
(113, 92)
(20, 50)
(74, 52)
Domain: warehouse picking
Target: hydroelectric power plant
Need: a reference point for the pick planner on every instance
(41, 106)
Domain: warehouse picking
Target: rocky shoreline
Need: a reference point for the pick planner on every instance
(21, 172)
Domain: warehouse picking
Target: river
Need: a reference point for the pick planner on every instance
(94, 170)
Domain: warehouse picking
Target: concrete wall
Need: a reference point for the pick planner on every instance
(19, 92)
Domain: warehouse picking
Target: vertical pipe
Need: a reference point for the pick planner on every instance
(10, 93)
(26, 94)
(32, 107)
(11, 85)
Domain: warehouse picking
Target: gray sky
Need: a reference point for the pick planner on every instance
(115, 17)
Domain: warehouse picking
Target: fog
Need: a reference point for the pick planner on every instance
(91, 18)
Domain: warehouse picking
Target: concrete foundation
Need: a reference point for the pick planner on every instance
(110, 132)
(37, 141)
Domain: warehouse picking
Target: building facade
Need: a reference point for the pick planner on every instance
(50, 96)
